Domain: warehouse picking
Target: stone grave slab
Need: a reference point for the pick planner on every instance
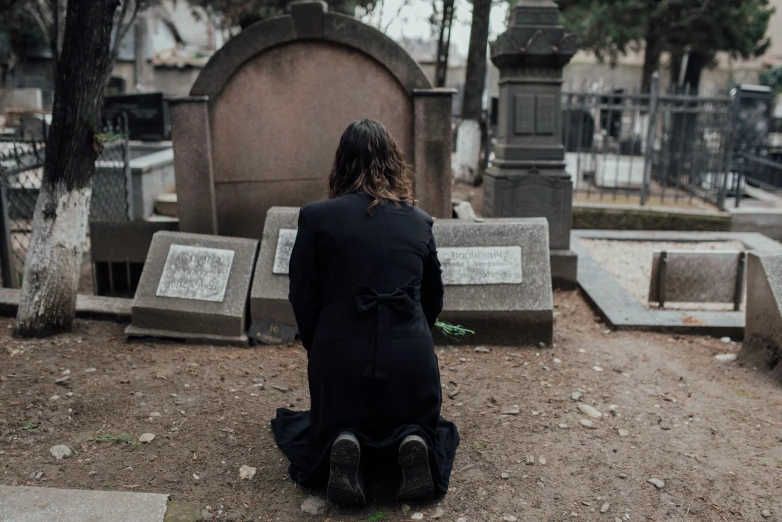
(697, 276)
(269, 306)
(31, 504)
(194, 287)
(497, 274)
(762, 346)
(503, 290)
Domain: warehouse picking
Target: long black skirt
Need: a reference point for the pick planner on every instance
(310, 464)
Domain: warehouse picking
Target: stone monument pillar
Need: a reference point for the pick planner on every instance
(527, 177)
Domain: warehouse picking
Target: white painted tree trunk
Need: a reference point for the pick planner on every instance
(51, 269)
(466, 161)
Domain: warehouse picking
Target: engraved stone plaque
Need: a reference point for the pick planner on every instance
(196, 273)
(481, 265)
(282, 256)
(524, 114)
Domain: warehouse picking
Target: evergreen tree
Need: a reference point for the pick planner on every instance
(701, 27)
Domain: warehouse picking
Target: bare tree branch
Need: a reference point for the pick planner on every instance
(123, 25)
(396, 15)
(697, 14)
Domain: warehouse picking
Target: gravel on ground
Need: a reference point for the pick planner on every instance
(681, 436)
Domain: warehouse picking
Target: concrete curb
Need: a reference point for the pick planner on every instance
(87, 306)
(623, 312)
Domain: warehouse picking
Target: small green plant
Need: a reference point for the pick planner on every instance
(125, 437)
(28, 426)
(377, 517)
(107, 484)
(449, 330)
(108, 137)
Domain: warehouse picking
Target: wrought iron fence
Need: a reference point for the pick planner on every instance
(21, 175)
(635, 147)
(763, 170)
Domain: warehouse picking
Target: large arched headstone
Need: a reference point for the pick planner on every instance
(265, 116)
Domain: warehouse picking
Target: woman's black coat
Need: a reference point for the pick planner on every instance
(366, 289)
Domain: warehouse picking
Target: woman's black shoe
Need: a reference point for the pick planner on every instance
(345, 486)
(416, 476)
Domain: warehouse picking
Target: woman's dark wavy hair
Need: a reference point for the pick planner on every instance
(368, 160)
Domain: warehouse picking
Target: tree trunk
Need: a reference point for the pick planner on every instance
(675, 69)
(466, 164)
(51, 272)
(444, 44)
(654, 48)
(692, 75)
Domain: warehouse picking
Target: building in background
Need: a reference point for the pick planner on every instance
(164, 51)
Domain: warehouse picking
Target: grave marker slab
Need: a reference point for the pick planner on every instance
(697, 276)
(147, 113)
(514, 310)
(762, 346)
(194, 287)
(269, 294)
(496, 271)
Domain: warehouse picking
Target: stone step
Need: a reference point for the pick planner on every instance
(31, 504)
(166, 205)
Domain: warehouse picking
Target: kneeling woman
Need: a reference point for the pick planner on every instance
(366, 289)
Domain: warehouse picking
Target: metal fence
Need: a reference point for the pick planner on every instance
(640, 148)
(21, 174)
(763, 171)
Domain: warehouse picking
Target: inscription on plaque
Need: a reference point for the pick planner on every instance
(282, 256)
(524, 117)
(480, 265)
(545, 114)
(267, 331)
(196, 273)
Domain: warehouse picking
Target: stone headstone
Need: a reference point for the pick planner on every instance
(194, 287)
(508, 302)
(496, 271)
(762, 347)
(269, 294)
(147, 114)
(697, 276)
(247, 118)
(33, 127)
(21, 98)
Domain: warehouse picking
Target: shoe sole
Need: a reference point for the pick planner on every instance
(416, 476)
(344, 486)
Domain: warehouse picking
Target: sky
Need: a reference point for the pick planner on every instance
(410, 19)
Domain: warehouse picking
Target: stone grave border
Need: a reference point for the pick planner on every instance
(623, 312)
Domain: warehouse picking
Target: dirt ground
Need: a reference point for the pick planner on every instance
(711, 431)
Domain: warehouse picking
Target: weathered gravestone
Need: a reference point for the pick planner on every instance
(496, 271)
(527, 177)
(194, 287)
(697, 276)
(762, 346)
(147, 114)
(265, 115)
